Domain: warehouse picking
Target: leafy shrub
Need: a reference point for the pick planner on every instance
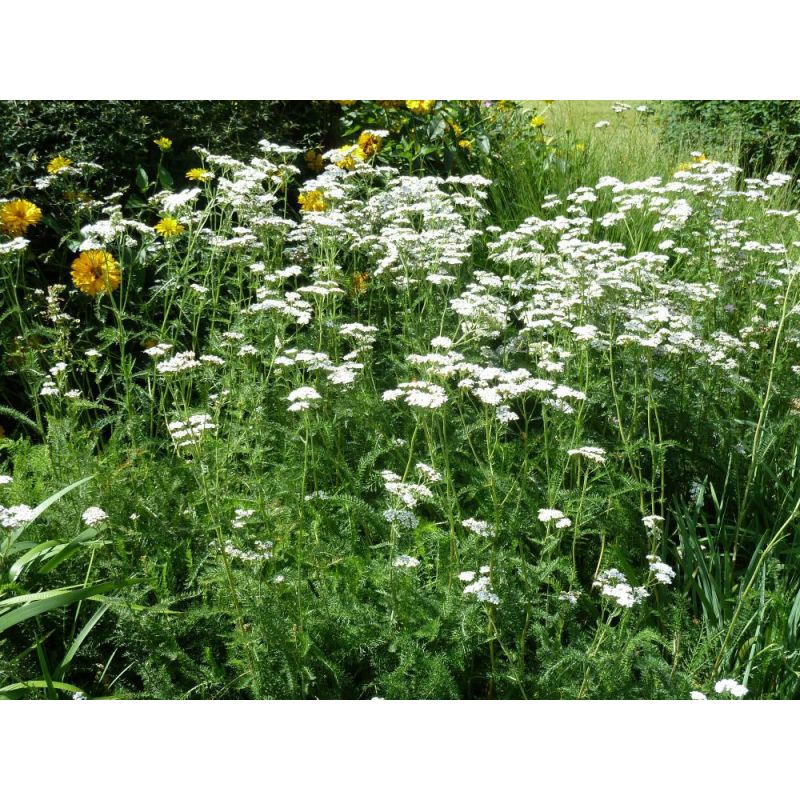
(766, 133)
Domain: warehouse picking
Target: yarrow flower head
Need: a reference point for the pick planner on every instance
(596, 454)
(300, 399)
(663, 572)
(613, 583)
(407, 562)
(481, 588)
(187, 433)
(730, 686)
(478, 526)
(16, 216)
(93, 516)
(96, 272)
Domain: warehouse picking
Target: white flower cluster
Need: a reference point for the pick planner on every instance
(730, 686)
(478, 526)
(596, 454)
(262, 551)
(14, 516)
(301, 399)
(653, 522)
(93, 516)
(241, 515)
(180, 362)
(662, 572)
(481, 588)
(406, 562)
(612, 583)
(418, 394)
(409, 494)
(554, 515)
(185, 434)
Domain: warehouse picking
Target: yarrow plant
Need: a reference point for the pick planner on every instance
(369, 419)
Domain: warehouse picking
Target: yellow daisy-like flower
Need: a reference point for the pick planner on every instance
(199, 174)
(538, 122)
(465, 144)
(369, 143)
(58, 163)
(352, 154)
(163, 143)
(96, 272)
(314, 160)
(699, 158)
(359, 284)
(169, 227)
(16, 216)
(312, 201)
(420, 106)
(580, 147)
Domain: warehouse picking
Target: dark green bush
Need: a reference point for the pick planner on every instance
(119, 134)
(765, 133)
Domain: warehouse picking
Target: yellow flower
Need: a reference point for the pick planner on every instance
(456, 129)
(163, 143)
(369, 143)
(16, 216)
(57, 164)
(538, 122)
(314, 160)
(359, 285)
(465, 144)
(199, 174)
(95, 272)
(346, 102)
(580, 147)
(684, 165)
(169, 227)
(420, 106)
(351, 154)
(699, 158)
(549, 102)
(505, 105)
(312, 201)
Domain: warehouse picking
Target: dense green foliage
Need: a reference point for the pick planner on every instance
(764, 133)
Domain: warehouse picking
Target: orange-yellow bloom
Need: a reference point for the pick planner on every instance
(420, 106)
(312, 201)
(169, 227)
(370, 143)
(58, 163)
(16, 216)
(199, 174)
(96, 272)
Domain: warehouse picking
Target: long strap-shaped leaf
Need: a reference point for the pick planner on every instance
(54, 600)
